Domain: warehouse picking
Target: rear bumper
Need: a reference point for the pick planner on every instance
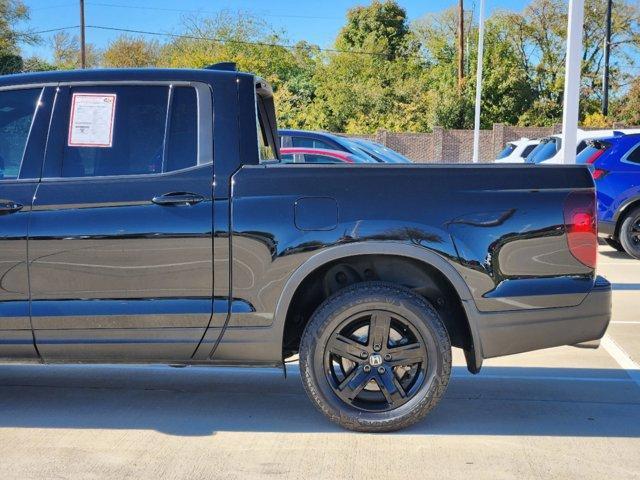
(606, 229)
(505, 333)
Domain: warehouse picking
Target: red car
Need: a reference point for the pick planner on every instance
(319, 155)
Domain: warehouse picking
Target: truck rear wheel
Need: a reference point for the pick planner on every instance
(375, 357)
(630, 233)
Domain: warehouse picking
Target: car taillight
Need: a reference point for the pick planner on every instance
(596, 155)
(581, 226)
(598, 173)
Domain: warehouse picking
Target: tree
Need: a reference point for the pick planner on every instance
(628, 109)
(13, 13)
(538, 35)
(126, 51)
(66, 52)
(37, 64)
(377, 79)
(255, 47)
(379, 27)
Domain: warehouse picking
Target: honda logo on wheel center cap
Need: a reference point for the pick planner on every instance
(375, 360)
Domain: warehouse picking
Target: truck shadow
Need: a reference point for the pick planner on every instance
(203, 401)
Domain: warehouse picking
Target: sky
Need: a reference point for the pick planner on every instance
(316, 21)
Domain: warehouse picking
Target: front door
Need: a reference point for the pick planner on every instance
(120, 241)
(24, 118)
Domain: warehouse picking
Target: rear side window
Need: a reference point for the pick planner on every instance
(527, 150)
(182, 141)
(304, 142)
(544, 151)
(17, 108)
(149, 130)
(634, 155)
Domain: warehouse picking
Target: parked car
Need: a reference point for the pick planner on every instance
(331, 141)
(319, 155)
(212, 252)
(379, 152)
(517, 151)
(549, 149)
(615, 162)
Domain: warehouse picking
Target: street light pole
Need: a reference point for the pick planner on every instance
(607, 55)
(476, 128)
(570, 114)
(83, 50)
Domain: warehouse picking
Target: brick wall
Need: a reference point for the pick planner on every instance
(456, 146)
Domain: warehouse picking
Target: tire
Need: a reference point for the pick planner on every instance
(630, 233)
(613, 243)
(415, 356)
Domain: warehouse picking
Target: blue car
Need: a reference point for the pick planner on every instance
(330, 141)
(615, 164)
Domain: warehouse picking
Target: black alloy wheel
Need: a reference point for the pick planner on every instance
(375, 360)
(630, 233)
(375, 357)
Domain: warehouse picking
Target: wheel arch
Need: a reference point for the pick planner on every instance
(625, 207)
(425, 257)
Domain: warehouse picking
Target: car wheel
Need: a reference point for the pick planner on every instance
(630, 233)
(613, 243)
(375, 357)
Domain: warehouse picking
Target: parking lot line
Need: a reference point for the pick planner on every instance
(622, 358)
(631, 322)
(561, 378)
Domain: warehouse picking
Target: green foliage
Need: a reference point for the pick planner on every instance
(66, 52)
(383, 72)
(131, 52)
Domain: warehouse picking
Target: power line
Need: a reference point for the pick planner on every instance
(54, 30)
(222, 40)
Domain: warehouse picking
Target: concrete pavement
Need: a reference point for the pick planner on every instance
(559, 413)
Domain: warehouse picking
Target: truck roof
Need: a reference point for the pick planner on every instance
(117, 74)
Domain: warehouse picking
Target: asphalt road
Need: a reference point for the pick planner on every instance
(559, 413)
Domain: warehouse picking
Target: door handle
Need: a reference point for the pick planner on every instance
(177, 199)
(9, 206)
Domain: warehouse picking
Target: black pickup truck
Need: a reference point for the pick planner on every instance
(144, 218)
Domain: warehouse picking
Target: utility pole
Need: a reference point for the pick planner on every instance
(607, 55)
(83, 47)
(460, 44)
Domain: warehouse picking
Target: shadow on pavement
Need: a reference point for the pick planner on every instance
(615, 254)
(201, 401)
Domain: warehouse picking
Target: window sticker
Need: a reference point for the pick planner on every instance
(91, 122)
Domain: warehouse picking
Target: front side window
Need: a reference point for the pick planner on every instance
(316, 158)
(17, 108)
(129, 130)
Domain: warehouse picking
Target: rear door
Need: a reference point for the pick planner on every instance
(24, 119)
(121, 231)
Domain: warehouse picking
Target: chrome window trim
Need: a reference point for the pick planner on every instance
(205, 123)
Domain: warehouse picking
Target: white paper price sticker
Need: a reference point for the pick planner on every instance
(91, 122)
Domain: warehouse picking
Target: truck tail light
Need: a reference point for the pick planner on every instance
(581, 226)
